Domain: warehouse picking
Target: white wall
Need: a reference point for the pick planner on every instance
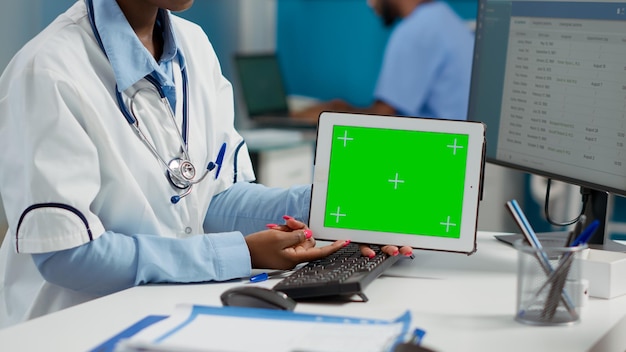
(256, 33)
(258, 25)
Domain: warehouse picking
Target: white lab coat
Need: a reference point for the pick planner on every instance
(72, 167)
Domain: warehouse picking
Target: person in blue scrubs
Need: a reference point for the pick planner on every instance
(426, 67)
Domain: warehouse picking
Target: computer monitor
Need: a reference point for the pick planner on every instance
(549, 81)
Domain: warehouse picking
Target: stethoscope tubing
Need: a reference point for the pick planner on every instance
(176, 177)
(135, 124)
(120, 101)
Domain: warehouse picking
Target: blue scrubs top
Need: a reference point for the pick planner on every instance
(427, 64)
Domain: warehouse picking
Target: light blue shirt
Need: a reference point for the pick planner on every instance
(131, 61)
(102, 266)
(427, 64)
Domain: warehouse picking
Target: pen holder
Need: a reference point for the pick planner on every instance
(544, 281)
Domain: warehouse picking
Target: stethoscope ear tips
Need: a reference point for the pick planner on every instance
(175, 199)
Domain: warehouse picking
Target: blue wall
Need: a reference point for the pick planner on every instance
(330, 49)
(333, 48)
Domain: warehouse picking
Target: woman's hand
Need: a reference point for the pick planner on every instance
(285, 246)
(390, 250)
(291, 224)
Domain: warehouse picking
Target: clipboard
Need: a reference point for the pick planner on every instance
(207, 328)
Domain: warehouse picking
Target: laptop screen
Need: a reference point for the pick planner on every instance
(261, 84)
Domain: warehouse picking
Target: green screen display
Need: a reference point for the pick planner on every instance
(398, 181)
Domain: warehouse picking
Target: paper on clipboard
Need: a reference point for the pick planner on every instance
(204, 328)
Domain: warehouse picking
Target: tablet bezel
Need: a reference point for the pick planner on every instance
(475, 131)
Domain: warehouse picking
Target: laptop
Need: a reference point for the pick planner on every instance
(262, 88)
(401, 180)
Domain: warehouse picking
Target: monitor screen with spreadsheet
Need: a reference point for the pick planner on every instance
(398, 180)
(549, 81)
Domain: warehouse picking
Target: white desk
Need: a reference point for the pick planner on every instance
(465, 303)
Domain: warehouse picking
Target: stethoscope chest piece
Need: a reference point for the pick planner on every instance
(181, 173)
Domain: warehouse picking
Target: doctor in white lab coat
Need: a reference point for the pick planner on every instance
(105, 188)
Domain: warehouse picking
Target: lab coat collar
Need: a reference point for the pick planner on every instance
(130, 60)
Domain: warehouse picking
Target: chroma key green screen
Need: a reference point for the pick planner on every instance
(397, 181)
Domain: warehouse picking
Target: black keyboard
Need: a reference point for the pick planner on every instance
(343, 273)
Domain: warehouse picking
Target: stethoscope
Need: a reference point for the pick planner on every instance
(180, 171)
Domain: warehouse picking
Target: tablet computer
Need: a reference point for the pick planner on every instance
(398, 180)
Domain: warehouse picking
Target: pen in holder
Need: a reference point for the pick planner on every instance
(542, 296)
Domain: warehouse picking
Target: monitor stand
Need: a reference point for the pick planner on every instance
(598, 207)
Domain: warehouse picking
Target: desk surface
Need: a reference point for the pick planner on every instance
(465, 303)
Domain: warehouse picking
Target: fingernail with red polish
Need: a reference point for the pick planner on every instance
(308, 233)
(347, 242)
(395, 253)
(287, 217)
(271, 226)
(372, 255)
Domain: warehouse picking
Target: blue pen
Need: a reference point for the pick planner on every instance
(418, 335)
(586, 234)
(220, 160)
(259, 277)
(532, 238)
(267, 275)
(534, 241)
